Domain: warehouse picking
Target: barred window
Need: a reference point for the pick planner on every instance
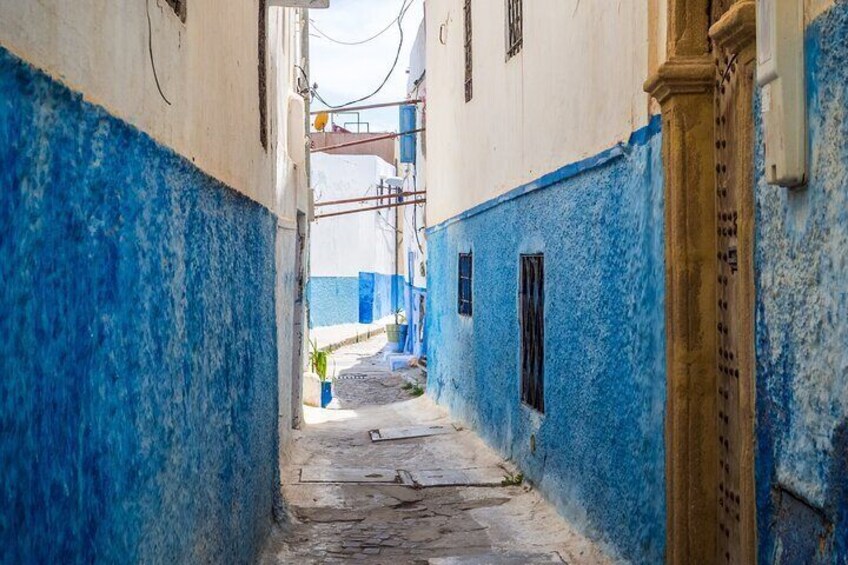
(469, 84)
(179, 7)
(532, 304)
(514, 27)
(465, 273)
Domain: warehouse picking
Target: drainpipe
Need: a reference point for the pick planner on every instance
(397, 252)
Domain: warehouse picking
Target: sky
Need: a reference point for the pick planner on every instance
(344, 73)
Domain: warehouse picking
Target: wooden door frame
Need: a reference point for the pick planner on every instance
(683, 85)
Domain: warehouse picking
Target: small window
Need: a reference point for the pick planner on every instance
(469, 85)
(465, 274)
(514, 27)
(179, 7)
(532, 306)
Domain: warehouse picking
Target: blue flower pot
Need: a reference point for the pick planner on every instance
(326, 393)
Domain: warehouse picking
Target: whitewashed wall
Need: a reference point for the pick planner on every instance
(345, 245)
(207, 68)
(574, 90)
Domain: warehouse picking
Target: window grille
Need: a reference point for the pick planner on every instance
(469, 84)
(514, 27)
(465, 274)
(179, 7)
(533, 331)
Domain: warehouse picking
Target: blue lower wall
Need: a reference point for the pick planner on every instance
(599, 447)
(351, 300)
(416, 338)
(379, 296)
(333, 301)
(138, 397)
(802, 326)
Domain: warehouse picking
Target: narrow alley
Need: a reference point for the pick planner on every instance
(442, 499)
(457, 282)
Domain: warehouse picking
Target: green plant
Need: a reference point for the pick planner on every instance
(318, 360)
(400, 317)
(512, 480)
(413, 389)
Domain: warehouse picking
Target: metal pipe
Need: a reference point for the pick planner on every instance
(395, 296)
(364, 141)
(367, 106)
(371, 208)
(364, 198)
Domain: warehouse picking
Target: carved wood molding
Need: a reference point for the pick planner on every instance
(736, 31)
(681, 75)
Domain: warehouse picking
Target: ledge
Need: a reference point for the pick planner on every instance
(737, 28)
(682, 75)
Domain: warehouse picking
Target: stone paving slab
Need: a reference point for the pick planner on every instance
(343, 475)
(499, 559)
(473, 477)
(409, 432)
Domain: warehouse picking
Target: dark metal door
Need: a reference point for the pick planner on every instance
(734, 334)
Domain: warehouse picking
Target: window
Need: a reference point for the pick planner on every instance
(465, 273)
(179, 7)
(532, 306)
(469, 85)
(514, 27)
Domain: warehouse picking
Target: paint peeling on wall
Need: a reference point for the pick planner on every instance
(802, 326)
(138, 398)
(599, 448)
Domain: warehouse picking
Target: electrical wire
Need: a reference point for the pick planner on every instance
(407, 4)
(150, 52)
(352, 43)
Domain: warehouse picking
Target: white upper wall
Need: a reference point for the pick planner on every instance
(207, 67)
(574, 90)
(344, 246)
(813, 8)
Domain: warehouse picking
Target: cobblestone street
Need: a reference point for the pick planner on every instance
(360, 510)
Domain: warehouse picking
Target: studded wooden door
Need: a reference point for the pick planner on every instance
(734, 327)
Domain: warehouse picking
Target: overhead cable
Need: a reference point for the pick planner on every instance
(399, 21)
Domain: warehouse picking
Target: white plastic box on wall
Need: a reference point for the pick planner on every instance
(780, 74)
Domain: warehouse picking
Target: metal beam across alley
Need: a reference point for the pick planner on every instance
(370, 208)
(364, 141)
(367, 198)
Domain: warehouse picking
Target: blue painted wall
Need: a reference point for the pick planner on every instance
(416, 338)
(802, 326)
(350, 300)
(333, 300)
(599, 447)
(379, 296)
(138, 398)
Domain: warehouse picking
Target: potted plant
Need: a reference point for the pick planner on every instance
(318, 360)
(396, 333)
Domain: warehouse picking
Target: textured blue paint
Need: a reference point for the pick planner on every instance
(802, 325)
(379, 296)
(138, 353)
(416, 339)
(599, 448)
(333, 300)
